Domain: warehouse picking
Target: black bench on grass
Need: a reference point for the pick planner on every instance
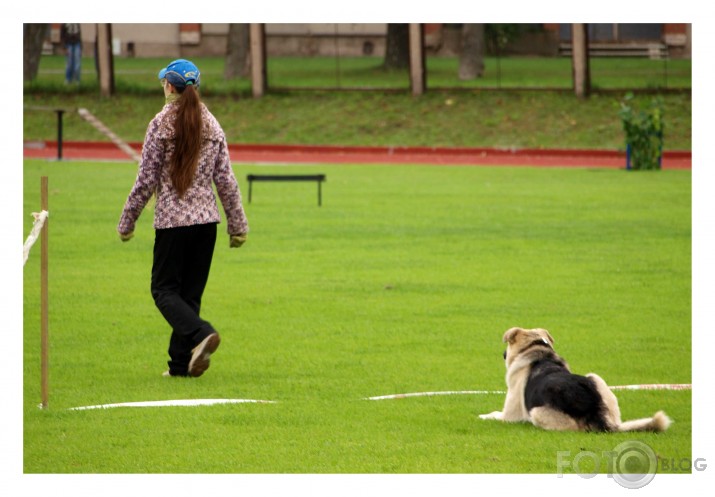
(286, 177)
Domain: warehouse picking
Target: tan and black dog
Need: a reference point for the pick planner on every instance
(542, 390)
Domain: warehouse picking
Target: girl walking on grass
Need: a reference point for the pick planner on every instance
(184, 152)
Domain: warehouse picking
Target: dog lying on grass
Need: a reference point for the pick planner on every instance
(542, 390)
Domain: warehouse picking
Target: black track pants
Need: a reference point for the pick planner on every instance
(182, 260)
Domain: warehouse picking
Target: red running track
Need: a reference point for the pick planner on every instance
(318, 154)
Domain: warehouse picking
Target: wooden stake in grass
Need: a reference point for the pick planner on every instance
(44, 294)
(40, 229)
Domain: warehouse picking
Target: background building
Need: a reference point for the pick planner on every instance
(350, 40)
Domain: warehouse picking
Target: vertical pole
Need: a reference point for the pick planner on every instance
(688, 40)
(417, 59)
(44, 294)
(59, 133)
(105, 60)
(258, 59)
(498, 67)
(337, 54)
(580, 62)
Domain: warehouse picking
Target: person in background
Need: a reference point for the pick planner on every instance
(71, 38)
(184, 153)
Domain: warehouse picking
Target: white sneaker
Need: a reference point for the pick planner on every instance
(200, 355)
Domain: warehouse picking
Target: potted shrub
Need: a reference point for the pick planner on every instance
(644, 134)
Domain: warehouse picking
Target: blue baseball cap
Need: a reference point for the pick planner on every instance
(180, 73)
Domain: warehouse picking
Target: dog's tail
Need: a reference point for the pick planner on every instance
(659, 422)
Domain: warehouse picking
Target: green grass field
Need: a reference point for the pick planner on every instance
(403, 281)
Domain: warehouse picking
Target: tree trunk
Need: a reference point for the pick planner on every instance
(33, 37)
(397, 47)
(471, 60)
(238, 52)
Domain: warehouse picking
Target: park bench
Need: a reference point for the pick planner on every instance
(319, 178)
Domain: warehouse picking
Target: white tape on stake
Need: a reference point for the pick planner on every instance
(34, 234)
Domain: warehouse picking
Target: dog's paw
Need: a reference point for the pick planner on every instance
(491, 415)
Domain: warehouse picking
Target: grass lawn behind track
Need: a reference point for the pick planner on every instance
(403, 281)
(486, 119)
(457, 117)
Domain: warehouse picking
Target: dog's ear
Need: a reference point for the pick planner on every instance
(511, 334)
(548, 335)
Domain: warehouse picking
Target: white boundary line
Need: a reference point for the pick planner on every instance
(654, 386)
(208, 402)
(169, 403)
(431, 394)
(123, 146)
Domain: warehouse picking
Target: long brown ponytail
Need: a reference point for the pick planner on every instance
(185, 159)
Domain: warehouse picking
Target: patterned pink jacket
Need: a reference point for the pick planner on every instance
(199, 203)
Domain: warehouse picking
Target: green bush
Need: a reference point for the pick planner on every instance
(644, 133)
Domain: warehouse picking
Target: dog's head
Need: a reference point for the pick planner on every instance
(519, 339)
